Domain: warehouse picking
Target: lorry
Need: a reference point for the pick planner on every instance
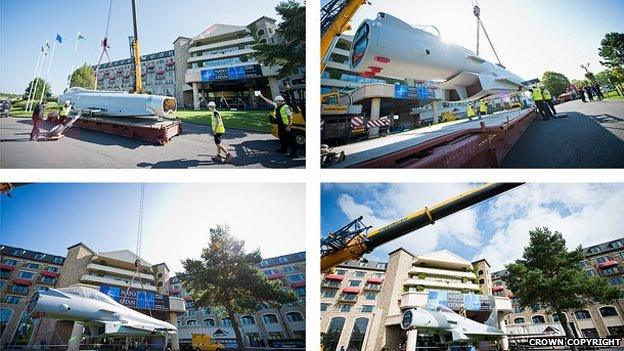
(203, 342)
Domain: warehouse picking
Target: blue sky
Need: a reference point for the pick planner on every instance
(26, 24)
(530, 36)
(496, 230)
(51, 217)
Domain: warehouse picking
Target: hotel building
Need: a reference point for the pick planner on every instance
(269, 327)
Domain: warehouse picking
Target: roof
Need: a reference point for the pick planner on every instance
(367, 265)
(125, 256)
(282, 260)
(444, 256)
(81, 244)
(604, 247)
(11, 251)
(219, 29)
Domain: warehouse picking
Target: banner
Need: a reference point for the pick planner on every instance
(231, 73)
(455, 301)
(137, 298)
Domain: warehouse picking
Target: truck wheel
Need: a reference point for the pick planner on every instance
(300, 138)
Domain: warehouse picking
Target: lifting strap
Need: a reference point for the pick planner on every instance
(105, 48)
(476, 10)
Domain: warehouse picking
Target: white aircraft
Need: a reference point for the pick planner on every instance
(443, 319)
(392, 48)
(103, 315)
(119, 103)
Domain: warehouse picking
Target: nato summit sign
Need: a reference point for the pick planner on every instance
(419, 91)
(137, 298)
(231, 73)
(455, 301)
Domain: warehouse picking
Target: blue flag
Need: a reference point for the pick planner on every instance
(59, 39)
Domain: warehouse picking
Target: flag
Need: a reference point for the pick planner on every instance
(80, 37)
(59, 39)
(47, 47)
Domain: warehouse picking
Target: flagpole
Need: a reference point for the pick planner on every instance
(30, 91)
(34, 97)
(73, 61)
(48, 71)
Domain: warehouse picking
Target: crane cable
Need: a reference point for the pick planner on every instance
(476, 10)
(105, 47)
(137, 262)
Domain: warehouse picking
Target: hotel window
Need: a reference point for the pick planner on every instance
(345, 308)
(538, 319)
(608, 311)
(269, 319)
(296, 277)
(377, 275)
(616, 280)
(328, 293)
(26, 275)
(300, 292)
(260, 32)
(519, 320)
(348, 297)
(58, 260)
(354, 282)
(617, 244)
(12, 299)
(582, 314)
(2, 284)
(357, 334)
(248, 320)
(324, 307)
(190, 313)
(602, 259)
(340, 272)
(282, 260)
(276, 335)
(52, 269)
(48, 280)
(226, 322)
(360, 274)
(209, 322)
(480, 272)
(481, 281)
(18, 288)
(31, 265)
(294, 317)
(5, 317)
(590, 333)
(367, 308)
(611, 270)
(381, 265)
(334, 331)
(371, 296)
(593, 250)
(9, 262)
(617, 331)
(591, 272)
(18, 252)
(517, 309)
(289, 269)
(41, 288)
(191, 322)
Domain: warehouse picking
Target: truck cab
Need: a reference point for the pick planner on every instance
(202, 342)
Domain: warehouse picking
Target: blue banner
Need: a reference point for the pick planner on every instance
(136, 298)
(231, 73)
(455, 301)
(422, 91)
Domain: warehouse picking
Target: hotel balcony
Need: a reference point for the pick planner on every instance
(6, 267)
(222, 44)
(221, 55)
(118, 271)
(341, 52)
(349, 294)
(430, 272)
(88, 278)
(372, 287)
(332, 284)
(18, 292)
(608, 264)
(433, 284)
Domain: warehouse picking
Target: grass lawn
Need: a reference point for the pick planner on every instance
(257, 121)
(613, 95)
(19, 112)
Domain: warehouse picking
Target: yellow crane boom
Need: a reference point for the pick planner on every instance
(336, 17)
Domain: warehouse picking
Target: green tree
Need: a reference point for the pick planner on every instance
(83, 77)
(555, 82)
(289, 52)
(612, 50)
(42, 87)
(549, 275)
(226, 276)
(590, 77)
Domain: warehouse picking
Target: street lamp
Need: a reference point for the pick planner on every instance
(585, 67)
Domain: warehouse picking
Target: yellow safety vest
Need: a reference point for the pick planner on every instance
(470, 112)
(537, 94)
(214, 120)
(65, 111)
(547, 95)
(282, 112)
(483, 107)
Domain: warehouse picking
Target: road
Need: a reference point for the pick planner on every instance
(591, 136)
(90, 149)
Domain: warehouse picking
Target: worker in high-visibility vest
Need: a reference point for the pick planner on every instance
(218, 129)
(549, 101)
(470, 112)
(538, 97)
(284, 116)
(483, 108)
(65, 109)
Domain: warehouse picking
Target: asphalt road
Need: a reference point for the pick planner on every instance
(590, 136)
(82, 148)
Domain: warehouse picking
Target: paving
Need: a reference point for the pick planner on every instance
(81, 148)
(591, 135)
(374, 148)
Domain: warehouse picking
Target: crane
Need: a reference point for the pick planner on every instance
(355, 239)
(136, 58)
(336, 18)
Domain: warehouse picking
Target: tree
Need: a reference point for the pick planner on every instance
(288, 53)
(549, 275)
(83, 77)
(41, 87)
(590, 77)
(555, 82)
(226, 276)
(612, 50)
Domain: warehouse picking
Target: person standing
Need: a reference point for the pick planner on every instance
(37, 117)
(590, 94)
(218, 129)
(470, 112)
(539, 102)
(64, 112)
(284, 116)
(483, 108)
(598, 91)
(549, 101)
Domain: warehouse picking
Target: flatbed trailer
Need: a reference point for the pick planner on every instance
(151, 129)
(480, 143)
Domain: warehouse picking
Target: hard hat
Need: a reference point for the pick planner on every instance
(279, 98)
(67, 102)
(212, 104)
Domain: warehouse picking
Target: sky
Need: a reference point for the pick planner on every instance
(26, 25)
(497, 229)
(530, 36)
(177, 217)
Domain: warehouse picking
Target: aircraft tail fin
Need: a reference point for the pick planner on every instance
(493, 320)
